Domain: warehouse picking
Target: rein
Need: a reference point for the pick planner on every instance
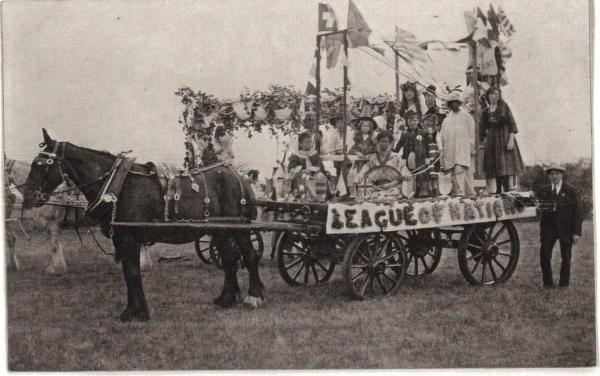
(50, 157)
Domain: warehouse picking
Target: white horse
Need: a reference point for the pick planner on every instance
(45, 219)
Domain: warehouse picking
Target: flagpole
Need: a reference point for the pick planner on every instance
(318, 82)
(396, 66)
(345, 116)
(478, 167)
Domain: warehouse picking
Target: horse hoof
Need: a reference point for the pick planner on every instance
(129, 315)
(253, 301)
(224, 302)
(52, 271)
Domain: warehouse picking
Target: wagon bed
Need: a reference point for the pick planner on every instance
(379, 243)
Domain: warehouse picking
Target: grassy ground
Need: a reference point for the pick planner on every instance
(69, 323)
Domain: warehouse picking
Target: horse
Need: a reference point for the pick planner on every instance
(221, 193)
(46, 219)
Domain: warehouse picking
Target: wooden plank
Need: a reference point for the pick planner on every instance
(258, 226)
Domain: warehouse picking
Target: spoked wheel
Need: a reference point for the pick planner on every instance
(423, 254)
(489, 252)
(299, 263)
(202, 249)
(374, 265)
(257, 243)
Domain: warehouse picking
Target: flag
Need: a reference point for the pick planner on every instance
(493, 19)
(471, 20)
(313, 70)
(327, 19)
(483, 32)
(328, 22)
(407, 47)
(358, 30)
(505, 25)
(333, 46)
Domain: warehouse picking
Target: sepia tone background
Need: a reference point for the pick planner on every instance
(103, 75)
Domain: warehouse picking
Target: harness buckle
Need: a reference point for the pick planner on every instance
(109, 197)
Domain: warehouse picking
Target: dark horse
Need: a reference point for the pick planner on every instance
(223, 195)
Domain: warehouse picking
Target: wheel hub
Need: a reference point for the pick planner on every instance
(419, 250)
(490, 250)
(378, 267)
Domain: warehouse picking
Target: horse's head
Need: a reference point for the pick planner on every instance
(46, 174)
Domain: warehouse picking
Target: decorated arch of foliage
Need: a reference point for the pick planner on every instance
(277, 110)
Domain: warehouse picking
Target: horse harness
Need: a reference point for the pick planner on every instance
(169, 177)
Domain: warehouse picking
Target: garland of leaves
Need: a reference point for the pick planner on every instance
(277, 110)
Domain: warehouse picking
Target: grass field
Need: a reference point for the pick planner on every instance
(68, 323)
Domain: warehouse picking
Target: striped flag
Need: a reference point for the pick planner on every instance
(506, 26)
(407, 47)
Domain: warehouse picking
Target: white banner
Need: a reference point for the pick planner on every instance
(397, 216)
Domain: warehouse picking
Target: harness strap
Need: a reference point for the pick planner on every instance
(242, 200)
(206, 199)
(177, 195)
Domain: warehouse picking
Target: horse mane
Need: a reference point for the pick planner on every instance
(101, 152)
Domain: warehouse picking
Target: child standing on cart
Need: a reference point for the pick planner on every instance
(430, 122)
(306, 162)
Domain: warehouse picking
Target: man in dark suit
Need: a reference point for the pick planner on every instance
(562, 217)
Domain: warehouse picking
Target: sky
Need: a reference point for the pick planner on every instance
(103, 74)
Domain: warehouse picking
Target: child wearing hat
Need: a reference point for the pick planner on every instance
(363, 138)
(456, 142)
(430, 102)
(413, 120)
(305, 161)
(386, 157)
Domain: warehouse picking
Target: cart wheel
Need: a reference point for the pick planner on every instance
(257, 243)
(423, 256)
(202, 250)
(374, 265)
(488, 253)
(298, 264)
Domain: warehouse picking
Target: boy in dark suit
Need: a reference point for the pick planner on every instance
(562, 217)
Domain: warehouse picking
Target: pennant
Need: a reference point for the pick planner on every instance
(341, 186)
(310, 89)
(327, 19)
(302, 108)
(358, 30)
(313, 70)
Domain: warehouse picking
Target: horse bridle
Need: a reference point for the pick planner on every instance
(48, 159)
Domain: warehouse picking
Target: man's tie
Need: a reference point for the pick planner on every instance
(554, 190)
